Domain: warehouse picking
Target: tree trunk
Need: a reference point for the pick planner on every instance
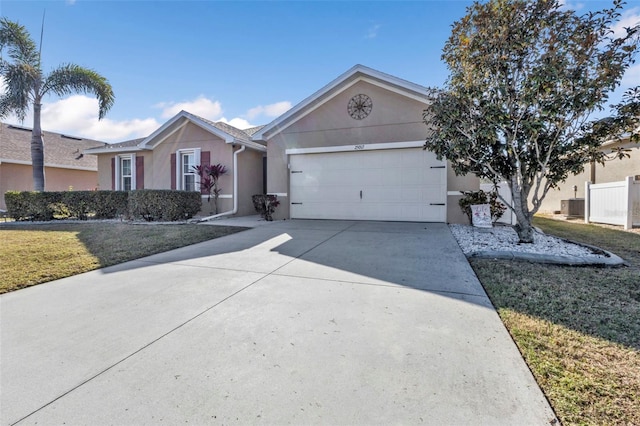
(37, 149)
(524, 228)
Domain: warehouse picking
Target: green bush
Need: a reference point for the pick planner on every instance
(164, 205)
(480, 197)
(79, 203)
(151, 205)
(110, 204)
(29, 205)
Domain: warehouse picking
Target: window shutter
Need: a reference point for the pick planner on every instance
(173, 171)
(139, 172)
(113, 173)
(205, 160)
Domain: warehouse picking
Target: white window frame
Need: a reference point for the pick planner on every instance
(179, 173)
(119, 178)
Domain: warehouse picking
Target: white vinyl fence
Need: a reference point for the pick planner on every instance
(615, 203)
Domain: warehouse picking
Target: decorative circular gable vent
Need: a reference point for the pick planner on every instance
(359, 106)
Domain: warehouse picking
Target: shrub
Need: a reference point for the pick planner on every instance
(165, 205)
(147, 204)
(480, 197)
(78, 203)
(110, 204)
(265, 205)
(29, 205)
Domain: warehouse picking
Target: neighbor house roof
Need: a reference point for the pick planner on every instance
(227, 132)
(347, 79)
(62, 151)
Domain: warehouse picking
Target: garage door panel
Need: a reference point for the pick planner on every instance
(397, 184)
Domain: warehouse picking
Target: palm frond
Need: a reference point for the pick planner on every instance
(19, 82)
(17, 40)
(72, 78)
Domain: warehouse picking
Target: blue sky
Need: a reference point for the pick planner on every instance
(238, 61)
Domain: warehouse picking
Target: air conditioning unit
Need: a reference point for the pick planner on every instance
(573, 207)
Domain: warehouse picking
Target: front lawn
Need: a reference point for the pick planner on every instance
(33, 254)
(578, 328)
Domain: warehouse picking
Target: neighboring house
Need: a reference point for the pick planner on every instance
(612, 171)
(66, 167)
(352, 150)
(164, 160)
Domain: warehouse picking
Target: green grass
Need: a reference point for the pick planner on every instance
(578, 328)
(34, 254)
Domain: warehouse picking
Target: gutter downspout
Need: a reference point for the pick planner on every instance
(235, 190)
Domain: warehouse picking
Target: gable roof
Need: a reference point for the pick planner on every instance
(349, 78)
(61, 151)
(228, 133)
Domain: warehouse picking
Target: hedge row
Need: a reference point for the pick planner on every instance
(147, 204)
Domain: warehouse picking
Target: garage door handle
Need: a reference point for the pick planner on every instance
(296, 203)
(436, 204)
(361, 194)
(437, 167)
(296, 171)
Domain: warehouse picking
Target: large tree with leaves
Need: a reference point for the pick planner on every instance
(26, 85)
(525, 78)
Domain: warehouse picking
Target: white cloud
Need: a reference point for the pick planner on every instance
(200, 106)
(570, 5)
(271, 110)
(631, 77)
(630, 18)
(239, 123)
(78, 116)
(71, 2)
(372, 32)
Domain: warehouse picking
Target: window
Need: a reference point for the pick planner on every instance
(188, 174)
(187, 178)
(125, 172)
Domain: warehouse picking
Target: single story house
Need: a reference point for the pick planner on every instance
(65, 165)
(352, 150)
(165, 160)
(612, 171)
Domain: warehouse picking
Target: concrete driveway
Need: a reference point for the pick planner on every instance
(296, 322)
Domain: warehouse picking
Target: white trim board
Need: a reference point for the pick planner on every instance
(221, 196)
(356, 148)
(55, 166)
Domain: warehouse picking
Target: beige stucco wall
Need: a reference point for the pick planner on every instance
(394, 118)
(455, 183)
(18, 177)
(613, 171)
(191, 136)
(104, 171)
(250, 180)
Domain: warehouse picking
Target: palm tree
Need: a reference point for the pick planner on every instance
(26, 84)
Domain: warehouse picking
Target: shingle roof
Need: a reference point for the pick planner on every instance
(59, 150)
(228, 132)
(244, 135)
(250, 131)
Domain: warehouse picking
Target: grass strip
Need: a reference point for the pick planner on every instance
(578, 328)
(34, 254)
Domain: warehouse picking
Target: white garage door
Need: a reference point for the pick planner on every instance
(394, 184)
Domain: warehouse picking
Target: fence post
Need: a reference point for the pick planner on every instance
(628, 182)
(587, 198)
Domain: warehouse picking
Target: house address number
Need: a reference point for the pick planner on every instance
(358, 147)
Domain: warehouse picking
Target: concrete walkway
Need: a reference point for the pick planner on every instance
(297, 322)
